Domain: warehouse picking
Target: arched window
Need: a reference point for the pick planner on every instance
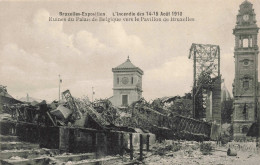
(245, 43)
(117, 80)
(250, 41)
(132, 80)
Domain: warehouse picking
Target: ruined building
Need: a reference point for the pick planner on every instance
(127, 85)
(206, 82)
(246, 86)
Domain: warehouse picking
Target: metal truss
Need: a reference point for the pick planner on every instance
(206, 67)
(72, 105)
(206, 59)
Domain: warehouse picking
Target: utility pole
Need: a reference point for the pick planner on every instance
(93, 94)
(27, 97)
(59, 86)
(258, 124)
(194, 86)
(257, 110)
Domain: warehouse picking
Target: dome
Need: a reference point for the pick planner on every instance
(246, 7)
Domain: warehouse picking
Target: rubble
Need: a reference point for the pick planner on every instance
(189, 153)
(163, 148)
(72, 105)
(61, 112)
(206, 148)
(16, 158)
(84, 121)
(156, 117)
(78, 125)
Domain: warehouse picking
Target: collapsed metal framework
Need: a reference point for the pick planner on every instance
(172, 126)
(139, 115)
(206, 67)
(71, 103)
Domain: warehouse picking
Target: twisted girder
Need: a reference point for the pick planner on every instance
(71, 103)
(206, 58)
(179, 125)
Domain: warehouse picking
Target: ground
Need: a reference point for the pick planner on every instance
(218, 157)
(168, 152)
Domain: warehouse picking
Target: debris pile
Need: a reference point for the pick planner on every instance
(164, 123)
(170, 151)
(174, 105)
(167, 118)
(109, 112)
(164, 148)
(71, 112)
(206, 148)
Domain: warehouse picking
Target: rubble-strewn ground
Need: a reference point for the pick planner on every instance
(217, 158)
(191, 155)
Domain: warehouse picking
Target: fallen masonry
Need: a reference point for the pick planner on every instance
(95, 129)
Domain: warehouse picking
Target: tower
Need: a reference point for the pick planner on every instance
(245, 86)
(127, 86)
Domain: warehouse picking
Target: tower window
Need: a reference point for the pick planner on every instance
(240, 42)
(245, 112)
(117, 80)
(245, 43)
(250, 41)
(132, 80)
(246, 84)
(124, 100)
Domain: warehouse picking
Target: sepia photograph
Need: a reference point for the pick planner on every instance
(127, 82)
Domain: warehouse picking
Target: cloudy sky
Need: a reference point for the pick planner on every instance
(34, 51)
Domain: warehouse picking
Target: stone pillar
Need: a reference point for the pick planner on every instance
(141, 147)
(131, 146)
(147, 142)
(121, 135)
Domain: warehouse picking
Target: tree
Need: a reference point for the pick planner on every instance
(204, 83)
(182, 107)
(226, 110)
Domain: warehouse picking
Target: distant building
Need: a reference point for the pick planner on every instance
(127, 86)
(246, 86)
(225, 95)
(6, 98)
(226, 105)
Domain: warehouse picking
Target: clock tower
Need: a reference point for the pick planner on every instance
(127, 86)
(245, 86)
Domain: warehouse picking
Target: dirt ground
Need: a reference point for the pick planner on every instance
(192, 157)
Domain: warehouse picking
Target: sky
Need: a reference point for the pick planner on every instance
(34, 50)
